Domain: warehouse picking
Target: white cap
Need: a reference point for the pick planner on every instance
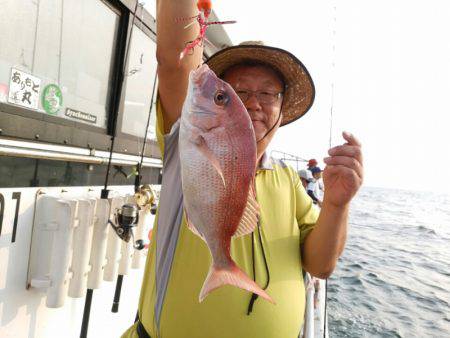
(306, 174)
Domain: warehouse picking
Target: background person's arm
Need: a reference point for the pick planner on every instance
(342, 177)
(171, 39)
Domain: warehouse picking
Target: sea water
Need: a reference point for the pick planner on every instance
(393, 279)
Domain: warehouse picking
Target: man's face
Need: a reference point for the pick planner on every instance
(261, 88)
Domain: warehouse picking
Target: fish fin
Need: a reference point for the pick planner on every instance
(231, 276)
(249, 218)
(206, 151)
(192, 227)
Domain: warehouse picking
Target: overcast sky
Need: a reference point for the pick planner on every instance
(391, 80)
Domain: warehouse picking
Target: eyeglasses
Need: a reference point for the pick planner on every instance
(262, 96)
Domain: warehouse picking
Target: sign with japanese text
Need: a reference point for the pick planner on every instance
(24, 89)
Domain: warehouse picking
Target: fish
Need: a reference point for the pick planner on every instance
(218, 162)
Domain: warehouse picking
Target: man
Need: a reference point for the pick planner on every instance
(306, 177)
(315, 187)
(276, 90)
(312, 163)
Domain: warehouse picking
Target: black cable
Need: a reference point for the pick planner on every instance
(254, 296)
(274, 125)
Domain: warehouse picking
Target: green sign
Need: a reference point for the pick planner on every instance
(52, 99)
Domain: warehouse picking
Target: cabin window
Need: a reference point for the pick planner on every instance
(56, 58)
(27, 172)
(138, 86)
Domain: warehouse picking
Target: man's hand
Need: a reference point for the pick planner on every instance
(342, 177)
(173, 75)
(344, 172)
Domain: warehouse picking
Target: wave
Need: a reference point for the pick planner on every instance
(392, 280)
(426, 230)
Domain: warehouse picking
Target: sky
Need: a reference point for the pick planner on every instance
(391, 80)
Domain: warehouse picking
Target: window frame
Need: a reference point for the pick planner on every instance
(119, 134)
(125, 142)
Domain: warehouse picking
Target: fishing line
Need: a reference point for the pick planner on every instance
(333, 75)
(331, 114)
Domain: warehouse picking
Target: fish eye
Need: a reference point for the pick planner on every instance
(220, 98)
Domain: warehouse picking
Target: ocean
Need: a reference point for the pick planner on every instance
(393, 279)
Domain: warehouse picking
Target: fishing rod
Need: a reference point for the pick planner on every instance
(128, 216)
(105, 192)
(138, 178)
(137, 189)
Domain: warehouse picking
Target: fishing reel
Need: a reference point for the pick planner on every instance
(126, 218)
(145, 198)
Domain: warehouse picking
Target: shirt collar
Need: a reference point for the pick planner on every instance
(265, 163)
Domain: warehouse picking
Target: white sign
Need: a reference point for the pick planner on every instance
(24, 89)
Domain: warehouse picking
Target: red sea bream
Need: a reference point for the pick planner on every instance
(218, 161)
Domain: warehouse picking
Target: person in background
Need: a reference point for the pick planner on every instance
(312, 163)
(314, 188)
(306, 177)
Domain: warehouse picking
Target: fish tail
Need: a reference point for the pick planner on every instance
(230, 276)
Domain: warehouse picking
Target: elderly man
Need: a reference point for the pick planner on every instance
(291, 235)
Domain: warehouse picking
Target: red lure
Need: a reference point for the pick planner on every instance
(204, 8)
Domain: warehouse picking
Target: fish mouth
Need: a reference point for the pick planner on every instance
(198, 75)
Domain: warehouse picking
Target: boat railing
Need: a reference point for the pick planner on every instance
(315, 321)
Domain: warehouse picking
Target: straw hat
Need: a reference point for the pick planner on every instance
(299, 93)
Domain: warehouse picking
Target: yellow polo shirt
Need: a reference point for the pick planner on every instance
(287, 216)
